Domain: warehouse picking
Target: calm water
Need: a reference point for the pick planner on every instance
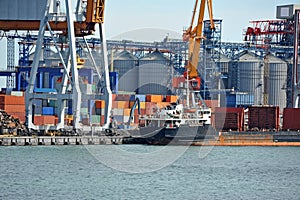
(72, 172)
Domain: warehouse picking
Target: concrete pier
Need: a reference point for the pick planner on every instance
(61, 140)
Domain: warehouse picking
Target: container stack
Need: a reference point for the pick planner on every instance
(44, 112)
(149, 105)
(291, 119)
(263, 118)
(227, 119)
(13, 105)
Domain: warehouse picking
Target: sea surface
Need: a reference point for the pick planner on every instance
(77, 172)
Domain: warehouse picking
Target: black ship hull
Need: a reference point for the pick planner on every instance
(185, 134)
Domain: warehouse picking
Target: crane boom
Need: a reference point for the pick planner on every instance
(194, 35)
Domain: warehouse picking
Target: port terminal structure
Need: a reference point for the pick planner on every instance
(282, 46)
(53, 23)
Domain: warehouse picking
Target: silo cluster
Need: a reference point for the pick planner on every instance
(265, 77)
(150, 74)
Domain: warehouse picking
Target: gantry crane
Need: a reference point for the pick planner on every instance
(194, 35)
(81, 24)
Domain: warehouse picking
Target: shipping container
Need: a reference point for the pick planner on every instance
(154, 98)
(263, 117)
(291, 119)
(12, 100)
(19, 115)
(12, 108)
(229, 119)
(44, 120)
(141, 97)
(48, 111)
(123, 104)
(171, 98)
(239, 100)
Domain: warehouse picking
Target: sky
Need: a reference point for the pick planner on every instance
(123, 18)
(152, 20)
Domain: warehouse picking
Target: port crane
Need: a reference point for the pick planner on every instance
(194, 36)
(48, 18)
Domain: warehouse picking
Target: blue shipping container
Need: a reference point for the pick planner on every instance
(48, 111)
(239, 100)
(141, 97)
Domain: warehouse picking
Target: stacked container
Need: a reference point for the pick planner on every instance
(263, 118)
(13, 105)
(229, 119)
(291, 119)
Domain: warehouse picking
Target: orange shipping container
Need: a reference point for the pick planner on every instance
(123, 104)
(13, 108)
(154, 98)
(142, 104)
(126, 111)
(12, 100)
(171, 98)
(162, 104)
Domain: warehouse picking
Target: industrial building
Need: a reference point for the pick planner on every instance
(260, 71)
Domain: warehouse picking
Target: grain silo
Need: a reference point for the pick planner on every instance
(155, 74)
(224, 69)
(224, 64)
(122, 62)
(246, 75)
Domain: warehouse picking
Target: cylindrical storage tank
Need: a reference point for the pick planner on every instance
(247, 76)
(224, 69)
(289, 79)
(155, 74)
(224, 64)
(122, 62)
(277, 81)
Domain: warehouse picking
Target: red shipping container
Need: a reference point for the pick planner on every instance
(18, 115)
(114, 104)
(171, 98)
(291, 119)
(100, 104)
(123, 97)
(102, 120)
(44, 120)
(144, 112)
(114, 97)
(263, 117)
(179, 82)
(136, 119)
(230, 118)
(154, 98)
(12, 100)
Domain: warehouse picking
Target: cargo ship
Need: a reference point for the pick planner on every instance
(175, 124)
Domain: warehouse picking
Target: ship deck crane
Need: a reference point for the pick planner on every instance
(194, 35)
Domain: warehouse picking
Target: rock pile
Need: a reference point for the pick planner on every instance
(10, 125)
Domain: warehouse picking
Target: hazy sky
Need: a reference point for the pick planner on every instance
(122, 16)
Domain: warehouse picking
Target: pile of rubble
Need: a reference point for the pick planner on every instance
(11, 126)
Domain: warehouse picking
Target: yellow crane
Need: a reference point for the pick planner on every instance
(194, 36)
